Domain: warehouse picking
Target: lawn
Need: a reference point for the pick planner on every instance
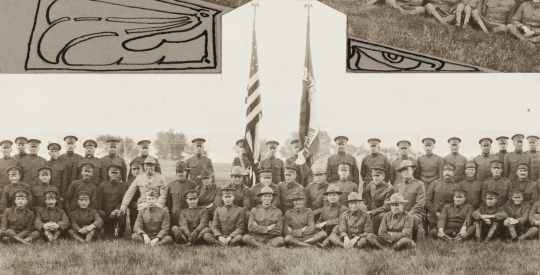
(385, 25)
(125, 257)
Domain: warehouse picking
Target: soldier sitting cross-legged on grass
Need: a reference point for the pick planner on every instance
(193, 221)
(228, 223)
(354, 224)
(18, 221)
(52, 222)
(517, 225)
(153, 223)
(299, 222)
(85, 222)
(454, 222)
(265, 222)
(488, 218)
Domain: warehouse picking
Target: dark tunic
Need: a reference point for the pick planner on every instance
(99, 173)
(499, 185)
(256, 200)
(70, 159)
(440, 193)
(29, 166)
(429, 167)
(275, 165)
(154, 222)
(454, 217)
(54, 214)
(511, 160)
(474, 191)
(195, 165)
(114, 159)
(18, 220)
(59, 175)
(8, 196)
(228, 221)
(459, 161)
(141, 160)
(110, 195)
(5, 163)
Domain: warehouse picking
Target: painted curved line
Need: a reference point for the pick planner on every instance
(87, 19)
(56, 22)
(205, 56)
(389, 65)
(155, 29)
(163, 41)
(48, 12)
(61, 54)
(147, 20)
(428, 61)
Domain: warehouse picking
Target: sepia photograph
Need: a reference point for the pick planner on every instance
(269, 137)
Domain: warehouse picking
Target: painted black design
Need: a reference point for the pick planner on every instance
(126, 35)
(364, 56)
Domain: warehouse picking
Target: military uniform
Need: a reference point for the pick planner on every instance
(154, 222)
(347, 187)
(109, 198)
(480, 224)
(141, 159)
(29, 166)
(18, 223)
(246, 165)
(395, 231)
(296, 219)
(452, 219)
(429, 168)
(83, 217)
(196, 164)
(8, 196)
(459, 161)
(260, 219)
(176, 198)
(142, 183)
(527, 15)
(483, 170)
(285, 190)
(415, 194)
(56, 215)
(536, 164)
(116, 160)
(521, 230)
(439, 193)
(228, 222)
(99, 172)
(380, 194)
(304, 176)
(315, 197)
(276, 165)
(59, 175)
(530, 189)
(500, 185)
(256, 200)
(442, 10)
(511, 162)
(70, 201)
(330, 214)
(494, 15)
(374, 160)
(208, 196)
(534, 214)
(353, 224)
(397, 177)
(38, 194)
(5, 163)
(333, 163)
(192, 225)
(474, 191)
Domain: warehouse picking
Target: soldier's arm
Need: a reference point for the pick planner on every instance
(279, 226)
(368, 228)
(98, 222)
(99, 197)
(407, 228)
(38, 223)
(103, 172)
(363, 168)
(429, 197)
(129, 194)
(183, 224)
(162, 200)
(282, 173)
(516, 20)
(255, 228)
(4, 201)
(441, 221)
(247, 200)
(534, 215)
(239, 225)
(328, 169)
(383, 230)
(440, 171)
(217, 199)
(276, 202)
(64, 220)
(392, 174)
(158, 166)
(65, 183)
(29, 225)
(74, 225)
(138, 227)
(169, 197)
(506, 167)
(531, 170)
(74, 171)
(420, 199)
(501, 215)
(343, 226)
(525, 216)
(509, 20)
(311, 224)
(165, 226)
(68, 198)
(355, 171)
(534, 196)
(4, 224)
(388, 168)
(476, 215)
(216, 224)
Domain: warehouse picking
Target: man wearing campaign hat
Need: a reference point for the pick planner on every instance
(144, 148)
(472, 185)
(374, 159)
(488, 218)
(85, 222)
(31, 163)
(228, 224)
(8, 194)
(299, 223)
(135, 169)
(242, 194)
(198, 162)
(440, 192)
(429, 165)
(533, 151)
(511, 160)
(288, 187)
(265, 222)
(456, 158)
(273, 163)
(38, 192)
(5, 162)
(153, 223)
(193, 221)
(149, 179)
(70, 158)
(59, 170)
(329, 216)
(209, 192)
(304, 176)
(22, 145)
(176, 192)
(503, 144)
(517, 225)
(396, 227)
(483, 170)
(346, 186)
(51, 222)
(18, 221)
(332, 168)
(315, 191)
(99, 173)
(243, 161)
(354, 225)
(380, 192)
(112, 157)
(497, 183)
(414, 192)
(403, 149)
(455, 223)
(529, 187)
(109, 199)
(71, 202)
(265, 178)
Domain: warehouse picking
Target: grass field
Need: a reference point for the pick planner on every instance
(387, 26)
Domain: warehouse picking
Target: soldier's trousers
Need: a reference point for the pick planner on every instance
(114, 227)
(180, 237)
(376, 222)
(11, 234)
(211, 239)
(133, 213)
(490, 231)
(43, 235)
(338, 241)
(91, 236)
(513, 30)
(519, 232)
(139, 239)
(272, 242)
(454, 235)
(401, 244)
(417, 224)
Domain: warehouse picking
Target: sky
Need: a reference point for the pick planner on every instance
(396, 106)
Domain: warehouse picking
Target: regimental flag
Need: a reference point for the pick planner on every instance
(253, 101)
(308, 133)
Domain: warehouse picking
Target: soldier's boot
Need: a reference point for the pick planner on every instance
(90, 236)
(49, 235)
(529, 234)
(430, 9)
(211, 239)
(292, 241)
(478, 19)
(325, 243)
(491, 231)
(317, 238)
(459, 10)
(467, 16)
(478, 226)
(21, 240)
(512, 232)
(362, 243)
(76, 236)
(56, 234)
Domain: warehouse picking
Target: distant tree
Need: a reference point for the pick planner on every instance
(170, 145)
(126, 148)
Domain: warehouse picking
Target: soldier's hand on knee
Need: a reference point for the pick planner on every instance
(346, 241)
(154, 241)
(463, 231)
(193, 236)
(82, 231)
(271, 227)
(507, 222)
(488, 221)
(146, 239)
(222, 240)
(441, 233)
(227, 240)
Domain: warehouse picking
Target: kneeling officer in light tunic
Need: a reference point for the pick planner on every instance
(265, 222)
(52, 222)
(228, 223)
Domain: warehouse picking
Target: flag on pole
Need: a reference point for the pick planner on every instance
(309, 123)
(253, 102)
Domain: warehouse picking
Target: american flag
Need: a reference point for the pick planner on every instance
(309, 124)
(253, 101)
